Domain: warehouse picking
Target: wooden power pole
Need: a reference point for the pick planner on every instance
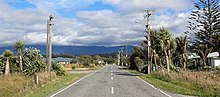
(49, 43)
(147, 15)
(119, 60)
(126, 54)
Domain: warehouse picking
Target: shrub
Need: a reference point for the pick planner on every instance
(218, 68)
(92, 66)
(14, 65)
(86, 64)
(58, 69)
(73, 67)
(33, 61)
(139, 63)
(68, 65)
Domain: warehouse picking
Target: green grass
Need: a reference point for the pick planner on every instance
(54, 86)
(179, 87)
(174, 87)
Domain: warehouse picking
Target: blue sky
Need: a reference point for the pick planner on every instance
(63, 11)
(89, 22)
(20, 4)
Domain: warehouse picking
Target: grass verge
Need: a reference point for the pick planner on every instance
(54, 86)
(178, 86)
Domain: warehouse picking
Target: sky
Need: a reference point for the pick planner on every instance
(89, 22)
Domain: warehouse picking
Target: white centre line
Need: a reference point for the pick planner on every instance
(111, 73)
(112, 90)
(111, 78)
(111, 69)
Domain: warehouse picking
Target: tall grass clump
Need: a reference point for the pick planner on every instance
(205, 83)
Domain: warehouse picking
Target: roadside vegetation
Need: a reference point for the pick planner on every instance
(202, 84)
(91, 62)
(62, 81)
(171, 67)
(25, 72)
(21, 74)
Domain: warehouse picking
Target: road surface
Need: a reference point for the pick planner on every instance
(110, 81)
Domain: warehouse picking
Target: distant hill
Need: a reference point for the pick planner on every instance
(75, 50)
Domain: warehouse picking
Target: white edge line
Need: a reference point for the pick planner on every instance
(75, 83)
(154, 87)
(151, 85)
(112, 90)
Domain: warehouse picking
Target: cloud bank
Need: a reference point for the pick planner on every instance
(75, 23)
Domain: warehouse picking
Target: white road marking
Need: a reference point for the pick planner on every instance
(151, 85)
(111, 73)
(112, 90)
(154, 87)
(111, 78)
(75, 82)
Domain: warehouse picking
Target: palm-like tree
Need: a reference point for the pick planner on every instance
(203, 50)
(155, 57)
(182, 49)
(19, 47)
(7, 54)
(167, 45)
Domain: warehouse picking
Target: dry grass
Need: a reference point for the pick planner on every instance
(201, 78)
(15, 85)
(18, 85)
(207, 83)
(45, 77)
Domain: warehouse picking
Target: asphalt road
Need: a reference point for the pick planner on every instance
(110, 81)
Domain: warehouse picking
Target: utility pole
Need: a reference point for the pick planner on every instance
(126, 54)
(49, 43)
(148, 14)
(119, 57)
(122, 63)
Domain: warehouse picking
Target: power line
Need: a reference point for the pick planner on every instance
(161, 3)
(140, 37)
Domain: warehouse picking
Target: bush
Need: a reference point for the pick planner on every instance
(73, 67)
(69, 65)
(139, 63)
(33, 61)
(92, 66)
(14, 65)
(58, 69)
(217, 68)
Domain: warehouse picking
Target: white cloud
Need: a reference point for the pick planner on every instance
(134, 5)
(99, 27)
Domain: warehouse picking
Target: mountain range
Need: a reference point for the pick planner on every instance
(74, 50)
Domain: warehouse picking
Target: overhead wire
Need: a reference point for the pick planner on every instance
(158, 5)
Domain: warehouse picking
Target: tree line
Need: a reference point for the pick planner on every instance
(172, 52)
